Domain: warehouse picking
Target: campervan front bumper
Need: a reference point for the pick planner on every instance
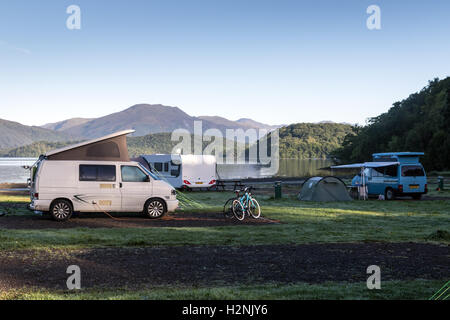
(172, 205)
(39, 205)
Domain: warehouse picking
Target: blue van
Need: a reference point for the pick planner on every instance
(394, 174)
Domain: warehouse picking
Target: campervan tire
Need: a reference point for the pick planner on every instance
(61, 210)
(389, 194)
(154, 208)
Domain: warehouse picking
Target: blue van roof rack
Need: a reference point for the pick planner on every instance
(398, 154)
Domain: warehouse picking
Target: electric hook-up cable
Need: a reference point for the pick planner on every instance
(114, 218)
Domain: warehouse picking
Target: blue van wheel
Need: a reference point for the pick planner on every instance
(389, 194)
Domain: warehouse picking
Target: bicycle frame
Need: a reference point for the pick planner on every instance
(245, 200)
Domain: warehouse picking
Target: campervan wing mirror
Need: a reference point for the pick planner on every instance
(147, 179)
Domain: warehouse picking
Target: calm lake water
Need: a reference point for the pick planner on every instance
(11, 169)
(287, 168)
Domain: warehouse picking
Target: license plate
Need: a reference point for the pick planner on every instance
(199, 183)
(414, 186)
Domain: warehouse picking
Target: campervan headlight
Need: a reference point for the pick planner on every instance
(173, 192)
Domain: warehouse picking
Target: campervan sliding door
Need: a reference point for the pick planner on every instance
(98, 188)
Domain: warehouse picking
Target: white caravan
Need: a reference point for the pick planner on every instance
(183, 171)
(60, 186)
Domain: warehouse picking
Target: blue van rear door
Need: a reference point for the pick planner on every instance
(413, 178)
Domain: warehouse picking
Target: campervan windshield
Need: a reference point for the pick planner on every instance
(154, 177)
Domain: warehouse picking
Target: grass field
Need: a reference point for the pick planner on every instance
(415, 289)
(299, 222)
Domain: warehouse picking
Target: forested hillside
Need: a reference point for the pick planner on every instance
(302, 140)
(148, 144)
(419, 123)
(312, 140)
(152, 143)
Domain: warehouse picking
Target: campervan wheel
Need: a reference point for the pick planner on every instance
(154, 208)
(61, 210)
(389, 194)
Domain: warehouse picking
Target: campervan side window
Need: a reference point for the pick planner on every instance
(412, 171)
(133, 174)
(391, 171)
(377, 172)
(89, 172)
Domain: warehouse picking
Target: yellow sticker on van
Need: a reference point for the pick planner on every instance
(105, 202)
(106, 186)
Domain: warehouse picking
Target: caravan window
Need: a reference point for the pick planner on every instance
(90, 172)
(166, 166)
(158, 166)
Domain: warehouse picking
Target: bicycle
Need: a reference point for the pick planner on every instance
(242, 205)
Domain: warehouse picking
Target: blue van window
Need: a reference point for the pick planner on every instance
(391, 171)
(412, 171)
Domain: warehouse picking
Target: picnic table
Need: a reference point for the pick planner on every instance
(237, 184)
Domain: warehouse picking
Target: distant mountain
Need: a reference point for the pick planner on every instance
(146, 119)
(66, 124)
(301, 140)
(148, 144)
(220, 122)
(143, 118)
(14, 134)
(255, 124)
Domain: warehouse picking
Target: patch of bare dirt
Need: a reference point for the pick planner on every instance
(132, 220)
(218, 265)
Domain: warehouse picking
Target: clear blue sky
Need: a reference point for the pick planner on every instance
(273, 61)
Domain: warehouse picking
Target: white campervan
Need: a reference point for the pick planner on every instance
(60, 185)
(183, 171)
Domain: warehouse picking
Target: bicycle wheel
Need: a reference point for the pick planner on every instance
(254, 208)
(238, 210)
(228, 208)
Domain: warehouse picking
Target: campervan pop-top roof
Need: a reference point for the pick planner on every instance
(112, 147)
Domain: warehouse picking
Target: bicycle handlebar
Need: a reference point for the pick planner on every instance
(246, 189)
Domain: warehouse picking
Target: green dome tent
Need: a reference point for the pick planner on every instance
(324, 189)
